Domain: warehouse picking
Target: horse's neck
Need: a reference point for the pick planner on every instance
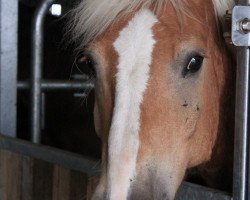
(218, 171)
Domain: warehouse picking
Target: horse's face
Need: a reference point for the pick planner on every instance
(158, 89)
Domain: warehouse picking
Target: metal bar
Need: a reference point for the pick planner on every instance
(92, 167)
(54, 85)
(8, 66)
(36, 63)
(241, 151)
(49, 154)
(244, 2)
(189, 191)
(241, 128)
(43, 110)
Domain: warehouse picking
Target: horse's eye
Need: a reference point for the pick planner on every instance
(89, 65)
(193, 66)
(86, 64)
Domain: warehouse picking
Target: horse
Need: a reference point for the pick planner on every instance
(164, 91)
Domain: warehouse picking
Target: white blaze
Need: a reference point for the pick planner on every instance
(134, 47)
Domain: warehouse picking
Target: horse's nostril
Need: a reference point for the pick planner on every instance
(165, 196)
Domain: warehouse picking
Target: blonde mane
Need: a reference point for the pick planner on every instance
(92, 17)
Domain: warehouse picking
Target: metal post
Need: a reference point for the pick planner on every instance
(56, 85)
(247, 57)
(241, 128)
(36, 64)
(43, 111)
(241, 152)
(8, 66)
(247, 63)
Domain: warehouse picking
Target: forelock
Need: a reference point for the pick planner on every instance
(90, 18)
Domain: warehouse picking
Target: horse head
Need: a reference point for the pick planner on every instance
(161, 76)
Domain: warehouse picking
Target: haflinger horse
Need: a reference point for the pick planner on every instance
(164, 92)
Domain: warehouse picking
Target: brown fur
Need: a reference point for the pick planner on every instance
(181, 118)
